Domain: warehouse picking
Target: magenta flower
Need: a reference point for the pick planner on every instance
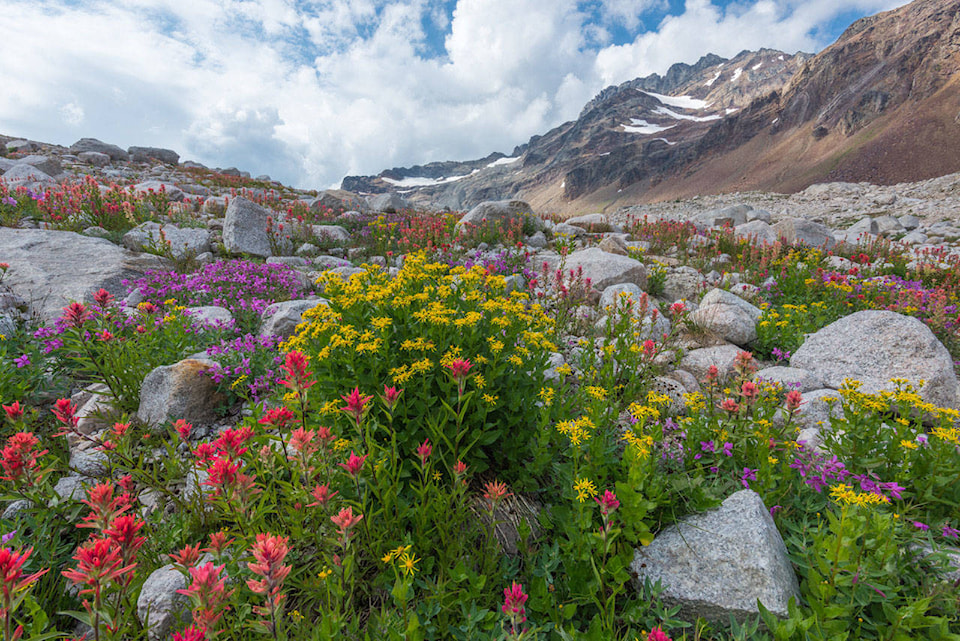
(921, 526)
(608, 502)
(950, 532)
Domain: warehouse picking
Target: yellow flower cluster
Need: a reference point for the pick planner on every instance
(638, 446)
(596, 393)
(546, 395)
(577, 430)
(846, 495)
(585, 489)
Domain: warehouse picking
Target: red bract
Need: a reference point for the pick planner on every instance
(459, 369)
(208, 591)
(322, 494)
(218, 543)
(277, 417)
(608, 502)
(104, 506)
(65, 411)
(231, 440)
(749, 391)
(76, 314)
(14, 581)
(495, 491)
(424, 451)
(183, 429)
(354, 464)
(187, 556)
(390, 397)
(356, 405)
(729, 405)
(298, 378)
(102, 297)
(513, 602)
(19, 459)
(269, 551)
(124, 531)
(346, 519)
(14, 411)
(100, 563)
(657, 634)
(193, 633)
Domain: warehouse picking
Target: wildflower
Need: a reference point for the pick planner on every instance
(743, 364)
(749, 391)
(728, 449)
(102, 297)
(409, 563)
(124, 531)
(324, 573)
(649, 347)
(187, 556)
(208, 591)
(104, 506)
(322, 495)
(712, 374)
(65, 411)
(424, 451)
(585, 489)
(356, 405)
(19, 459)
(513, 602)
(99, 563)
(950, 532)
(495, 492)
(459, 371)
(608, 502)
(14, 411)
(923, 527)
(218, 543)
(794, 399)
(459, 469)
(22, 361)
(354, 464)
(76, 314)
(104, 336)
(657, 634)
(678, 308)
(730, 405)
(14, 583)
(231, 441)
(345, 520)
(390, 397)
(192, 633)
(277, 417)
(298, 378)
(269, 552)
(183, 429)
(747, 476)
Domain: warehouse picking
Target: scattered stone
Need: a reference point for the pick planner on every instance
(874, 346)
(698, 361)
(720, 563)
(791, 378)
(183, 390)
(92, 144)
(46, 164)
(331, 234)
(803, 231)
(245, 228)
(729, 316)
(758, 230)
(281, 319)
(173, 193)
(388, 203)
(497, 212)
(160, 608)
(605, 269)
(181, 243)
(146, 154)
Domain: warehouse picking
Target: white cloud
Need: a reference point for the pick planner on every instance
(311, 91)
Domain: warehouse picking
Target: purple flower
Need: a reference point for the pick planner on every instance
(6, 537)
(921, 526)
(728, 449)
(950, 532)
(22, 362)
(9, 200)
(922, 439)
(748, 475)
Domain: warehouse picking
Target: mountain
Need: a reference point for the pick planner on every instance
(879, 105)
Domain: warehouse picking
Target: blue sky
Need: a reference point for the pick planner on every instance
(311, 91)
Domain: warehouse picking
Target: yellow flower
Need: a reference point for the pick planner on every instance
(910, 445)
(492, 400)
(238, 382)
(479, 381)
(585, 489)
(846, 495)
(341, 444)
(597, 393)
(546, 395)
(564, 370)
(324, 573)
(409, 563)
(516, 360)
(296, 616)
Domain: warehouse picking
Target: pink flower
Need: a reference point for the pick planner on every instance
(749, 391)
(459, 368)
(277, 417)
(193, 633)
(322, 494)
(356, 405)
(513, 601)
(183, 429)
(208, 591)
(794, 399)
(495, 491)
(390, 397)
(346, 519)
(424, 451)
(76, 314)
(729, 405)
(354, 464)
(187, 556)
(658, 634)
(608, 502)
(298, 378)
(14, 411)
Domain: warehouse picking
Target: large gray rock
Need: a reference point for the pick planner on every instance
(729, 316)
(497, 212)
(25, 176)
(49, 269)
(698, 361)
(720, 563)
(334, 234)
(245, 228)
(282, 319)
(47, 164)
(337, 201)
(160, 607)
(92, 144)
(733, 216)
(21, 146)
(613, 293)
(757, 230)
(874, 346)
(145, 154)
(605, 269)
(595, 223)
(389, 203)
(189, 241)
(94, 158)
(806, 232)
(182, 390)
(683, 283)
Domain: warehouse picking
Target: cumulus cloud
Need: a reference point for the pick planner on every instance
(312, 91)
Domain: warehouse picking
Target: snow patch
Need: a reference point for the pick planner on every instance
(684, 102)
(563, 184)
(503, 161)
(731, 110)
(710, 82)
(638, 126)
(780, 58)
(736, 74)
(666, 141)
(673, 114)
(426, 182)
(757, 66)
